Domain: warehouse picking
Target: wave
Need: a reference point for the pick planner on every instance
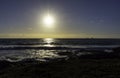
(55, 47)
(14, 53)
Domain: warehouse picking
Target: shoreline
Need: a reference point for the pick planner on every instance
(72, 68)
(100, 65)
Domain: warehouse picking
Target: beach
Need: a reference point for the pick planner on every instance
(72, 68)
(26, 59)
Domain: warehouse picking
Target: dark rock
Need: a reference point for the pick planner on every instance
(4, 65)
(116, 49)
(65, 53)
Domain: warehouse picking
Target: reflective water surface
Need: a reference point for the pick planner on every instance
(48, 48)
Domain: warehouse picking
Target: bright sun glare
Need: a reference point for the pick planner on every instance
(48, 20)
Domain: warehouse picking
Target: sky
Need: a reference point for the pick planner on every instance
(73, 18)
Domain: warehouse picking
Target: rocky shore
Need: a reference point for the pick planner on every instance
(89, 66)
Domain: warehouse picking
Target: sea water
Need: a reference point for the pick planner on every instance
(50, 48)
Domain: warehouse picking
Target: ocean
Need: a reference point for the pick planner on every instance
(45, 49)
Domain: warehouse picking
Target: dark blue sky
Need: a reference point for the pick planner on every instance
(74, 18)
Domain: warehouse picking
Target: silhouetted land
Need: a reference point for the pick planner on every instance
(79, 67)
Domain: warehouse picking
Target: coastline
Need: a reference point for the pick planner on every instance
(81, 67)
(90, 62)
(72, 68)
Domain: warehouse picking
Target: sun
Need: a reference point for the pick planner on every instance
(48, 20)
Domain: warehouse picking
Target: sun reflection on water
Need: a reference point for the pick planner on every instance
(48, 42)
(46, 54)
